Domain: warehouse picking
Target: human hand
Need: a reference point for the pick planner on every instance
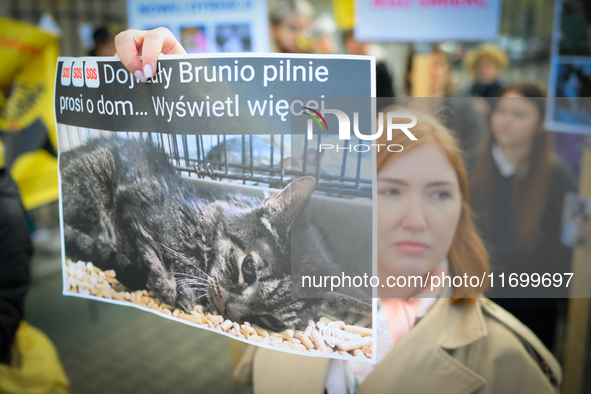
(130, 44)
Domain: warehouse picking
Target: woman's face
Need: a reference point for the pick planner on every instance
(290, 34)
(439, 72)
(419, 205)
(487, 70)
(515, 120)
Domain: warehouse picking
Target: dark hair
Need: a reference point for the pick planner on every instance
(529, 202)
(101, 35)
(347, 34)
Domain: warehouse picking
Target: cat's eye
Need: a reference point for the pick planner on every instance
(248, 270)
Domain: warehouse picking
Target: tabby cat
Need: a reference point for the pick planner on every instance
(126, 208)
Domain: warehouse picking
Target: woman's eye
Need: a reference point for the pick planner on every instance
(390, 192)
(442, 195)
(248, 270)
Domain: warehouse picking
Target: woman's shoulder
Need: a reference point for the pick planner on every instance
(511, 341)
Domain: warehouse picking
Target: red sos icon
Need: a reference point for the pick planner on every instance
(77, 76)
(91, 74)
(66, 72)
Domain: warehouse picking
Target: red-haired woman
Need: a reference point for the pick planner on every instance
(454, 342)
(451, 342)
(519, 186)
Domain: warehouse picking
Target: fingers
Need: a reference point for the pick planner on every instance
(156, 42)
(128, 45)
(148, 44)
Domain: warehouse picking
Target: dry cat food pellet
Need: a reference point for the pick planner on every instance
(226, 325)
(287, 334)
(367, 351)
(325, 335)
(365, 332)
(262, 332)
(352, 345)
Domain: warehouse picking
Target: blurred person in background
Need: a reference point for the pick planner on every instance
(15, 256)
(291, 22)
(519, 186)
(322, 35)
(104, 43)
(457, 114)
(384, 82)
(486, 63)
(441, 82)
(29, 362)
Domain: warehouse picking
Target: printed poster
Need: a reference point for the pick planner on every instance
(206, 26)
(427, 20)
(576, 221)
(195, 198)
(569, 106)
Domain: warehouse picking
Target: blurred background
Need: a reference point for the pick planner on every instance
(106, 348)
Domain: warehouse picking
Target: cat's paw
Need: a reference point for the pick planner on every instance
(185, 302)
(165, 288)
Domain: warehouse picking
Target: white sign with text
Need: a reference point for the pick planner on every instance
(427, 20)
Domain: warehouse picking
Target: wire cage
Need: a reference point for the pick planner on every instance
(270, 160)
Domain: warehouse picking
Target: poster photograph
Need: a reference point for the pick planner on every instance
(569, 105)
(206, 26)
(572, 105)
(192, 197)
(576, 220)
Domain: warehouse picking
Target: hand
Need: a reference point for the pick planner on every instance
(148, 44)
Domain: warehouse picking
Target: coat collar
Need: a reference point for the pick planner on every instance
(459, 325)
(422, 361)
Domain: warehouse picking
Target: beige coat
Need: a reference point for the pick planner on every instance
(472, 347)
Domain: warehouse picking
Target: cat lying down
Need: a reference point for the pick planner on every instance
(126, 208)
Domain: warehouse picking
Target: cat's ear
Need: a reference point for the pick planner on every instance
(283, 207)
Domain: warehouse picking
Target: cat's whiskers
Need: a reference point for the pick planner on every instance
(185, 259)
(192, 282)
(187, 289)
(191, 276)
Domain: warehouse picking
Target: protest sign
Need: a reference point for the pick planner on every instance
(193, 197)
(427, 20)
(569, 105)
(206, 26)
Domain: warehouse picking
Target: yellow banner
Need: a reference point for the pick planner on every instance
(27, 127)
(344, 13)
